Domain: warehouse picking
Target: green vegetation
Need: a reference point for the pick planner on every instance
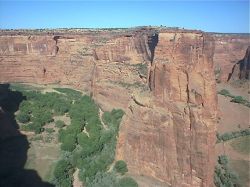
(85, 144)
(235, 99)
(63, 173)
(23, 117)
(60, 124)
(139, 85)
(142, 69)
(49, 130)
(38, 109)
(127, 182)
(121, 167)
(104, 179)
(224, 176)
(231, 135)
(225, 93)
(241, 144)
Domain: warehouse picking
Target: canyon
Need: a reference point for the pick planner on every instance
(163, 78)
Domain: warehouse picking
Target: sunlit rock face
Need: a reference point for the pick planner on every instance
(229, 49)
(162, 78)
(172, 136)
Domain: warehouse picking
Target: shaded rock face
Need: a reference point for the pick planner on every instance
(163, 79)
(241, 70)
(14, 145)
(229, 49)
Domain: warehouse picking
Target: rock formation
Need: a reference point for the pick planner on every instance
(162, 78)
(241, 70)
(229, 49)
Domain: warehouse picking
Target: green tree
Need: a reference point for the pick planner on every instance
(23, 117)
(121, 167)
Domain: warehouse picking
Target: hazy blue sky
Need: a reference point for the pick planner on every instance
(217, 16)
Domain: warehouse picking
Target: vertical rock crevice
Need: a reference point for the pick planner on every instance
(152, 43)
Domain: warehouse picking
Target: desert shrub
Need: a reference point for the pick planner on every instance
(127, 182)
(23, 117)
(238, 99)
(235, 99)
(121, 167)
(231, 135)
(224, 92)
(60, 124)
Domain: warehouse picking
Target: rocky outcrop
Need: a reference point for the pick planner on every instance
(241, 70)
(162, 78)
(229, 49)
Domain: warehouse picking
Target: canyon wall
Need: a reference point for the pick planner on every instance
(163, 79)
(241, 69)
(229, 50)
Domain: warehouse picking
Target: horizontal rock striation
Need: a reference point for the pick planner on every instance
(162, 78)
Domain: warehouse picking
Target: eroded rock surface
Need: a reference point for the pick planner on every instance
(163, 79)
(229, 49)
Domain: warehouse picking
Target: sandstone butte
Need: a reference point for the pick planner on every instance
(162, 78)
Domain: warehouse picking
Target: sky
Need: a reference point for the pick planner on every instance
(211, 16)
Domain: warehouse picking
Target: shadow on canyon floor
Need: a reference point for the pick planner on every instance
(13, 145)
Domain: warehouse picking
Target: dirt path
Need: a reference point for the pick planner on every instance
(85, 131)
(76, 182)
(100, 116)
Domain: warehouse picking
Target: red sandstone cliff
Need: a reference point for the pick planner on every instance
(229, 49)
(168, 131)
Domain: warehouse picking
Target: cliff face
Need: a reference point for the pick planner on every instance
(229, 49)
(162, 79)
(171, 135)
(241, 70)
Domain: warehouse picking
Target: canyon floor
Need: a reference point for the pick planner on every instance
(44, 149)
(235, 117)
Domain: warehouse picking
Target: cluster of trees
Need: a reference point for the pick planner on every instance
(235, 99)
(110, 179)
(38, 109)
(86, 143)
(224, 176)
(91, 146)
(230, 135)
(63, 173)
